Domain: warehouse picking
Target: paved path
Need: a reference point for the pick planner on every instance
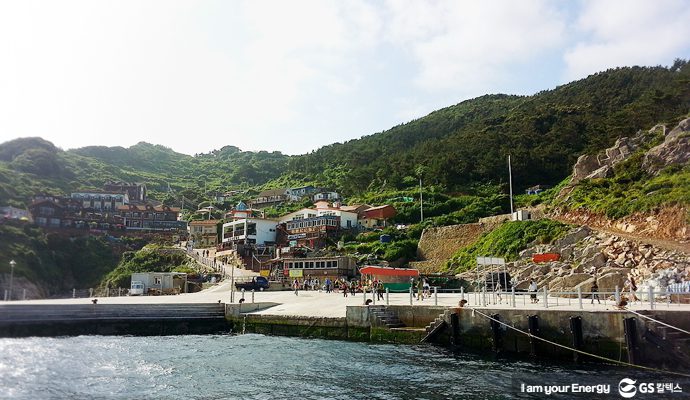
(321, 304)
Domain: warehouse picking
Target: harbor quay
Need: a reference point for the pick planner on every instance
(564, 329)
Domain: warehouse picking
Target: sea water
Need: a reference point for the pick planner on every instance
(266, 367)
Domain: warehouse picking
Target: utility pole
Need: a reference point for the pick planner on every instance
(510, 182)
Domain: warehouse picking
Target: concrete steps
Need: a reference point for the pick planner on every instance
(672, 341)
(386, 317)
(435, 327)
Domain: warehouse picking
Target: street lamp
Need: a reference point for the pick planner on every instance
(12, 264)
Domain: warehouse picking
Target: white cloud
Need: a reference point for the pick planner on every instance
(295, 75)
(634, 32)
(472, 47)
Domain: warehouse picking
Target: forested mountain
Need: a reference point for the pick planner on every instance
(469, 142)
(454, 149)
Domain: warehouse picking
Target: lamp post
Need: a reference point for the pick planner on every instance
(12, 264)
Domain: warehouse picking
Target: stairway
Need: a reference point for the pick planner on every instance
(386, 317)
(435, 327)
(674, 343)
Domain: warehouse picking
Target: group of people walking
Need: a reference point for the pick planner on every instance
(339, 285)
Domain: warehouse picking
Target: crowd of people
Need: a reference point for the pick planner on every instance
(340, 285)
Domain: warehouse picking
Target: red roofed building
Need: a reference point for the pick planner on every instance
(376, 217)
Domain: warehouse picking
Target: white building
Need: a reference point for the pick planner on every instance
(327, 196)
(347, 219)
(257, 231)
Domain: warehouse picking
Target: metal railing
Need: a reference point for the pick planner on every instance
(653, 298)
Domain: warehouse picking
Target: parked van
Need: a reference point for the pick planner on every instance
(136, 289)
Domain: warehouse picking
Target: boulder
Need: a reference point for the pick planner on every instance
(675, 150)
(584, 166)
(602, 172)
(570, 281)
(597, 261)
(573, 236)
(522, 285)
(609, 281)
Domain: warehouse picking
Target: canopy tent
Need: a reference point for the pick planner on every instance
(396, 279)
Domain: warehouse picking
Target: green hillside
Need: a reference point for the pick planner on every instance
(468, 143)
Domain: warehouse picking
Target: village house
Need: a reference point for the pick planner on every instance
(9, 212)
(376, 217)
(313, 227)
(317, 267)
(326, 196)
(100, 200)
(150, 217)
(204, 233)
(269, 198)
(47, 213)
(136, 192)
(274, 197)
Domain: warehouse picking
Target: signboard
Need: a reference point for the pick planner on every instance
(490, 261)
(296, 273)
(265, 272)
(297, 236)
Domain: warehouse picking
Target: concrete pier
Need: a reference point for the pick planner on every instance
(598, 329)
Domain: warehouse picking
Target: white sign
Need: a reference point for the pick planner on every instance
(490, 261)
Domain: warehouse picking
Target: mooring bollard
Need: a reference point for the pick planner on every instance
(579, 297)
(242, 294)
(252, 295)
(546, 298)
(462, 293)
(387, 293)
(512, 296)
(435, 295)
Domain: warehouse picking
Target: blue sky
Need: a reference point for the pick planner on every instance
(293, 76)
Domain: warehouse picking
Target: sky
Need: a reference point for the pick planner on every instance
(293, 76)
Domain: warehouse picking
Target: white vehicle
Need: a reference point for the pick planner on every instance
(136, 289)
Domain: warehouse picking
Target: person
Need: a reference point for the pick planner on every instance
(295, 285)
(379, 290)
(327, 282)
(595, 292)
(344, 287)
(427, 289)
(498, 292)
(632, 287)
(420, 290)
(462, 303)
(353, 287)
(533, 291)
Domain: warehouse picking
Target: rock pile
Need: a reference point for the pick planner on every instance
(586, 254)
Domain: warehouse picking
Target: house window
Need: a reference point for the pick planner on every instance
(46, 210)
(157, 280)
